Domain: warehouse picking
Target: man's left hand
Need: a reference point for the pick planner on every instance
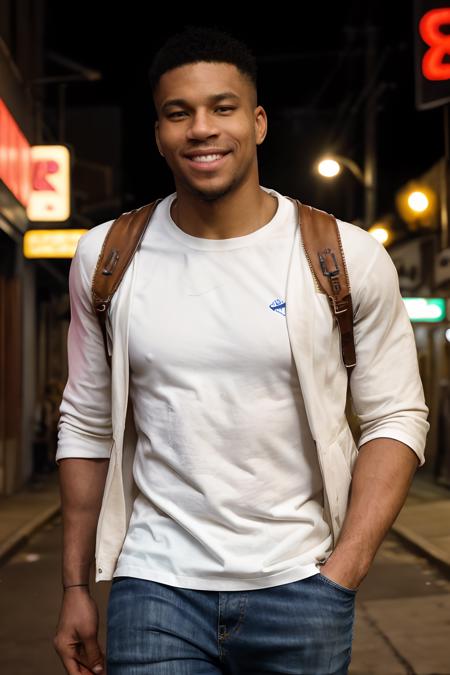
(343, 572)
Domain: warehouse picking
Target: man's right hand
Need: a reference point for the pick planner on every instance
(75, 639)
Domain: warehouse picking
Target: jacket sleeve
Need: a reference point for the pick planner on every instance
(385, 384)
(84, 425)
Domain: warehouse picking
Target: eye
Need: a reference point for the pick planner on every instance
(179, 112)
(222, 108)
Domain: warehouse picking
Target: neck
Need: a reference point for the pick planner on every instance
(224, 217)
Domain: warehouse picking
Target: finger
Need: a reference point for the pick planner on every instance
(71, 659)
(87, 665)
(71, 665)
(91, 656)
(84, 670)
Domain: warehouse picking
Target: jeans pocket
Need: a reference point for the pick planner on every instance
(116, 580)
(330, 582)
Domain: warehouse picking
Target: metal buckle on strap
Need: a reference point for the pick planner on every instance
(336, 306)
(111, 262)
(323, 265)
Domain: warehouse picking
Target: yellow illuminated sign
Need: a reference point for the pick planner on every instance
(51, 243)
(50, 196)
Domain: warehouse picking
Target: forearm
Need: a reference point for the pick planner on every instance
(381, 479)
(82, 483)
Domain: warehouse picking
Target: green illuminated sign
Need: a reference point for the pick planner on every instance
(425, 309)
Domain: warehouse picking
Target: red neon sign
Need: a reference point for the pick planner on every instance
(15, 157)
(41, 170)
(430, 25)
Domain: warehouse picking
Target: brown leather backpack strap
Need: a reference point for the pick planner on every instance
(325, 254)
(119, 246)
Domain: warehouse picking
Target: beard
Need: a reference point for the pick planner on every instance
(212, 193)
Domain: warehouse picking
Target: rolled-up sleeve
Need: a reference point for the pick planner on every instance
(84, 425)
(386, 387)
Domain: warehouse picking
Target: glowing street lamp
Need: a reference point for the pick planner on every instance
(381, 233)
(328, 168)
(331, 165)
(418, 201)
(417, 205)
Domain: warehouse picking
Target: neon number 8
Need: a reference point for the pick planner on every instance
(433, 66)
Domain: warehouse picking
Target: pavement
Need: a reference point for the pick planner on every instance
(423, 523)
(24, 512)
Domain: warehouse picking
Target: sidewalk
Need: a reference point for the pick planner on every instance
(23, 513)
(424, 521)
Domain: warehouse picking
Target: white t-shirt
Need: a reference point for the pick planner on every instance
(230, 487)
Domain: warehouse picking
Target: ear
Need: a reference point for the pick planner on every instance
(158, 142)
(260, 124)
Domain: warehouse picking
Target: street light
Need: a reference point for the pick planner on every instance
(381, 233)
(417, 205)
(330, 166)
(418, 201)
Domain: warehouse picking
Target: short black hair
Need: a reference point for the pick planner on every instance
(202, 43)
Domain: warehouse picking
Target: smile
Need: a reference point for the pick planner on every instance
(206, 162)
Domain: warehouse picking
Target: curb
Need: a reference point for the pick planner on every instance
(10, 545)
(422, 546)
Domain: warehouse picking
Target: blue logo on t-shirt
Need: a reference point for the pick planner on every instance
(278, 306)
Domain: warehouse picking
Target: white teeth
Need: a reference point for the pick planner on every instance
(205, 158)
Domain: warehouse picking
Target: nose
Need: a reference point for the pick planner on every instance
(203, 125)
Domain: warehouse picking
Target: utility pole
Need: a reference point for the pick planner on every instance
(370, 115)
(444, 181)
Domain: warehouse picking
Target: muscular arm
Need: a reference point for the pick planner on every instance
(381, 479)
(85, 426)
(81, 482)
(85, 442)
(388, 400)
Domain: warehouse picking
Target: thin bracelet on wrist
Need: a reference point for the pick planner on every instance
(72, 585)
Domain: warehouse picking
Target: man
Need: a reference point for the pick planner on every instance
(220, 489)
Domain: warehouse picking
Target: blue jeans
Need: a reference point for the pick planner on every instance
(303, 627)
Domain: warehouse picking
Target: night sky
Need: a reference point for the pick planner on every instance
(311, 74)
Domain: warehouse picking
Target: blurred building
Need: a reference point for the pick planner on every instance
(21, 60)
(422, 259)
(34, 301)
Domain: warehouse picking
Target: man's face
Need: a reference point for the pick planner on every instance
(204, 110)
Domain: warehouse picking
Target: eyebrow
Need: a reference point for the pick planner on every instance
(215, 98)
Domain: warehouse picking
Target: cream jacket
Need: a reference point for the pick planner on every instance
(387, 393)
